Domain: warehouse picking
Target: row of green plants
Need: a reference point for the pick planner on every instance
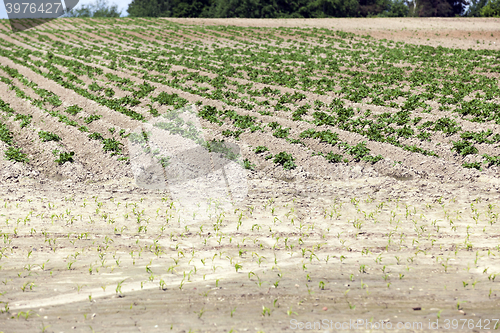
(212, 80)
(375, 59)
(109, 144)
(12, 153)
(412, 148)
(361, 83)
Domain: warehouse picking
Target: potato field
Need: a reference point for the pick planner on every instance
(361, 168)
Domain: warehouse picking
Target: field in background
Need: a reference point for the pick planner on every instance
(372, 168)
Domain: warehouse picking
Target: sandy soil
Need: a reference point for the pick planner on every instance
(86, 249)
(447, 32)
(382, 249)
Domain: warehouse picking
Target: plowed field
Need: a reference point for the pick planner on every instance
(363, 184)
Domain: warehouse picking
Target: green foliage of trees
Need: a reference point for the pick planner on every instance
(492, 9)
(475, 7)
(440, 8)
(164, 8)
(99, 8)
(396, 8)
(304, 8)
(266, 8)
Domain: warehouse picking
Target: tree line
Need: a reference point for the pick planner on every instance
(293, 8)
(312, 8)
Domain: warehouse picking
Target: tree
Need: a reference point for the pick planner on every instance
(144, 8)
(412, 7)
(492, 9)
(441, 8)
(168, 8)
(244, 8)
(475, 7)
(298, 8)
(238, 8)
(337, 8)
(99, 8)
(372, 7)
(396, 8)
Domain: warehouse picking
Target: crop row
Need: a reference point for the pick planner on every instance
(49, 99)
(12, 153)
(373, 72)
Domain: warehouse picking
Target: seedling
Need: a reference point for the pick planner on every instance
(119, 287)
(265, 311)
(26, 314)
(200, 313)
(321, 285)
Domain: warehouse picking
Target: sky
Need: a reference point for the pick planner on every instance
(122, 5)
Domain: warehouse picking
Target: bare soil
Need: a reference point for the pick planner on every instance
(86, 249)
(447, 32)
